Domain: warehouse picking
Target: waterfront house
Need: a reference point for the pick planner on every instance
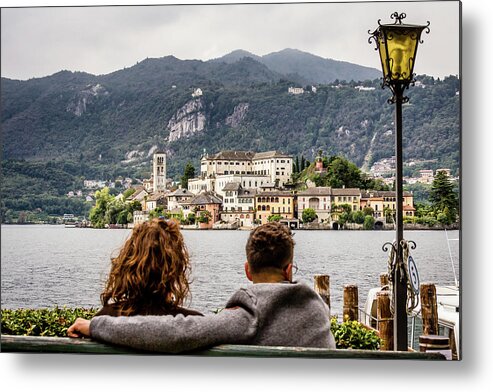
(179, 199)
(349, 196)
(139, 195)
(238, 205)
(274, 203)
(209, 204)
(319, 199)
(155, 200)
(140, 217)
(384, 202)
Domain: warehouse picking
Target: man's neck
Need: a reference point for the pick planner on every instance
(269, 278)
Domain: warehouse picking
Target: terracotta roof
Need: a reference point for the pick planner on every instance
(408, 208)
(156, 196)
(268, 185)
(206, 198)
(246, 192)
(181, 192)
(378, 194)
(270, 154)
(346, 191)
(233, 155)
(232, 186)
(317, 191)
(274, 193)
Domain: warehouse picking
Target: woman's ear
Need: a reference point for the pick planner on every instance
(247, 272)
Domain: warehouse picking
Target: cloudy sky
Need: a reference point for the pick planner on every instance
(37, 42)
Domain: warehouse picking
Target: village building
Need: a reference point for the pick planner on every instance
(238, 205)
(318, 199)
(155, 200)
(349, 196)
(179, 199)
(251, 170)
(139, 195)
(206, 204)
(140, 217)
(383, 202)
(295, 90)
(274, 203)
(426, 176)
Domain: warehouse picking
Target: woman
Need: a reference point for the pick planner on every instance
(150, 275)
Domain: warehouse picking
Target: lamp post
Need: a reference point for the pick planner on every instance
(397, 45)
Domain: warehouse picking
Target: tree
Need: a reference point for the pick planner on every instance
(204, 217)
(369, 222)
(98, 213)
(358, 217)
(308, 215)
(341, 173)
(274, 218)
(444, 198)
(188, 172)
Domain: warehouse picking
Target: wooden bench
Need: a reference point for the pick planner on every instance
(39, 344)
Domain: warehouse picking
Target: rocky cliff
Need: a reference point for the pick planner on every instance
(187, 121)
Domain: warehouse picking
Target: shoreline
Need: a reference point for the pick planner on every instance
(407, 227)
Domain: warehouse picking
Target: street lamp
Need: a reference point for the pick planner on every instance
(397, 45)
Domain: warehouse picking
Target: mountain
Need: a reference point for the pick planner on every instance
(73, 126)
(237, 55)
(308, 67)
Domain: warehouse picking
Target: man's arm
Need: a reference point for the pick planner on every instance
(175, 334)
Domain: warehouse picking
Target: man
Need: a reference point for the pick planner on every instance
(273, 312)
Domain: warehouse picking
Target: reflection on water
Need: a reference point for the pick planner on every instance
(44, 266)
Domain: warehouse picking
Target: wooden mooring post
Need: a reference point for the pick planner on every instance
(429, 311)
(350, 308)
(430, 341)
(385, 321)
(384, 279)
(322, 287)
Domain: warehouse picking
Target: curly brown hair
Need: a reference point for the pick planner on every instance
(269, 246)
(151, 270)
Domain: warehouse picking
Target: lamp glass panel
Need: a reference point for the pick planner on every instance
(383, 54)
(401, 49)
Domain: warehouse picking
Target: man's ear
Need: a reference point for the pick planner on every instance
(288, 272)
(247, 272)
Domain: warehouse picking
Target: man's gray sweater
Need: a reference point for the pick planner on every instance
(267, 314)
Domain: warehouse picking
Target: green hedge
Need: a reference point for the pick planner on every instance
(352, 334)
(42, 322)
(55, 322)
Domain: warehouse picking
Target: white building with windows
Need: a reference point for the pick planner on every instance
(278, 166)
(238, 205)
(251, 170)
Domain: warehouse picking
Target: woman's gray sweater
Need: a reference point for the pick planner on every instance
(267, 314)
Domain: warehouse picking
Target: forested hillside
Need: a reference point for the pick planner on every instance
(109, 125)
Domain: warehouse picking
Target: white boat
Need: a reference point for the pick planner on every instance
(448, 310)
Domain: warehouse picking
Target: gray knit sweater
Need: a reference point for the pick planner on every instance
(267, 314)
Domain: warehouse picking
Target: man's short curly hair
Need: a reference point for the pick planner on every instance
(269, 246)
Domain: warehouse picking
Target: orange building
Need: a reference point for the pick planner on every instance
(274, 203)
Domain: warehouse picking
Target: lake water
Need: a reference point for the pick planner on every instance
(45, 266)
